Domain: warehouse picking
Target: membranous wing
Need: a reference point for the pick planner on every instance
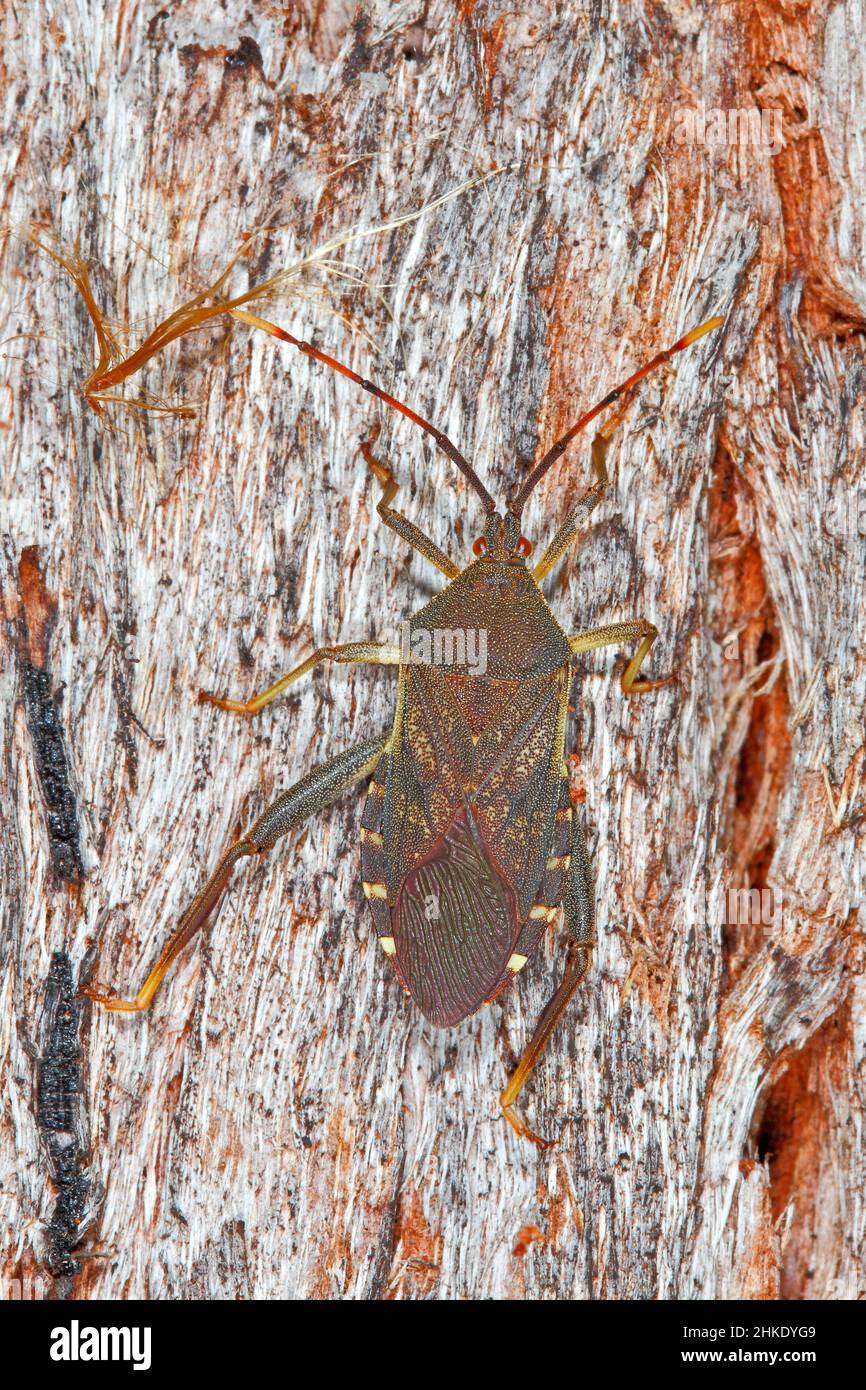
(467, 819)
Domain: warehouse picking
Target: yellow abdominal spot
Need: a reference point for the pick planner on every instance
(543, 914)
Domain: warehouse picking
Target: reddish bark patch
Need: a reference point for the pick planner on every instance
(749, 639)
(784, 49)
(527, 1236)
(39, 608)
(792, 1136)
(418, 1251)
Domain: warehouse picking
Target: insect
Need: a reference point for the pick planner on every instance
(469, 844)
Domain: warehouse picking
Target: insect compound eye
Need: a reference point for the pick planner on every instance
(479, 547)
(524, 548)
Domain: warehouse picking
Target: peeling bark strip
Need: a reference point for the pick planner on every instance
(283, 1124)
(42, 704)
(60, 1115)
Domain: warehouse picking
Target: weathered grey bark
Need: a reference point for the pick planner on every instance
(282, 1122)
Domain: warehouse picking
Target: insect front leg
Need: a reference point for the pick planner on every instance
(567, 532)
(623, 393)
(631, 631)
(311, 794)
(371, 653)
(405, 529)
(579, 911)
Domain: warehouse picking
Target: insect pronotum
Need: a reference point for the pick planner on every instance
(469, 846)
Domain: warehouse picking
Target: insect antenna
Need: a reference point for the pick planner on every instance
(558, 449)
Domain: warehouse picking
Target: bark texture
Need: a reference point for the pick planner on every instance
(282, 1122)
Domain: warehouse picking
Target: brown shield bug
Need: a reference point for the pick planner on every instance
(469, 846)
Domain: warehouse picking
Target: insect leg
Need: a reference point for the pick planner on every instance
(623, 632)
(405, 529)
(567, 532)
(579, 911)
(311, 794)
(372, 653)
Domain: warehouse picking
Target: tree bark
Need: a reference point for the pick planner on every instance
(282, 1122)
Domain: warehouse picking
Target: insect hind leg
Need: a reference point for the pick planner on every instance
(579, 910)
(311, 794)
